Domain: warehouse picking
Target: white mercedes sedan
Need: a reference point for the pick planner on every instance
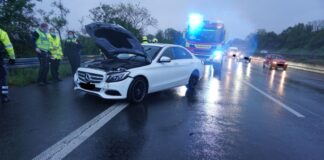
(131, 70)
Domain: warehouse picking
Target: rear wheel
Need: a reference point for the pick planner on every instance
(193, 80)
(137, 90)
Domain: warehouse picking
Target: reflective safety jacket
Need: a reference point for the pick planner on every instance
(43, 42)
(144, 40)
(55, 48)
(155, 40)
(4, 39)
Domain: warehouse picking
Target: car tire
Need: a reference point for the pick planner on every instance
(217, 66)
(193, 80)
(137, 90)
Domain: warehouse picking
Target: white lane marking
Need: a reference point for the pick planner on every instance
(275, 100)
(65, 146)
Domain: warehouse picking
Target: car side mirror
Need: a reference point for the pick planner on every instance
(165, 59)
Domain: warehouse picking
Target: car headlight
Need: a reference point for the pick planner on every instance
(116, 77)
(217, 55)
(274, 62)
(241, 56)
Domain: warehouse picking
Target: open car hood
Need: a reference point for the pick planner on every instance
(113, 39)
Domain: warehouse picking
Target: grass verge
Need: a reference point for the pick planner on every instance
(25, 76)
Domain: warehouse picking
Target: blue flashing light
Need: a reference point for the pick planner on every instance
(196, 22)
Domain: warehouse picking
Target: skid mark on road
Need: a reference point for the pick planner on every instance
(299, 115)
(65, 146)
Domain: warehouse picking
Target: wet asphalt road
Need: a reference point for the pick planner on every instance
(237, 112)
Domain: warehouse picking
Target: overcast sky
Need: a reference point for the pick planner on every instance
(240, 17)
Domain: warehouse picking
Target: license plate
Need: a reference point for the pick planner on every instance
(87, 86)
(200, 46)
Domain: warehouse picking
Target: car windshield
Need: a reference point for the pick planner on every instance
(277, 57)
(233, 50)
(151, 51)
(130, 57)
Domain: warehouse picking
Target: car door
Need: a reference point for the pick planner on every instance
(185, 64)
(164, 75)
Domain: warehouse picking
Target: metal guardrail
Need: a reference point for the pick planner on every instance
(33, 62)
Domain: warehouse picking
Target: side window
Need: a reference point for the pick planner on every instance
(169, 53)
(181, 53)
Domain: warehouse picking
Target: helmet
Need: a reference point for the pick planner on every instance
(144, 38)
(155, 40)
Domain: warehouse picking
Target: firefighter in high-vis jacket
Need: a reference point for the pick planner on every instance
(144, 40)
(155, 40)
(56, 54)
(42, 48)
(5, 47)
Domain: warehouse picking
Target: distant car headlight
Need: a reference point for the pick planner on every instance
(241, 56)
(274, 62)
(116, 77)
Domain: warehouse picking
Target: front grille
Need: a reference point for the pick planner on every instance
(90, 77)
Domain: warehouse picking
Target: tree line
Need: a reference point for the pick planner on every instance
(301, 36)
(20, 18)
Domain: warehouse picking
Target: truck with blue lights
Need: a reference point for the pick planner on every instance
(204, 38)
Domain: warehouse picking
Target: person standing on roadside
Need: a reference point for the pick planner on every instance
(56, 54)
(144, 40)
(42, 48)
(5, 46)
(72, 49)
(155, 40)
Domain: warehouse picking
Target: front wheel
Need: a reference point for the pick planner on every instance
(137, 90)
